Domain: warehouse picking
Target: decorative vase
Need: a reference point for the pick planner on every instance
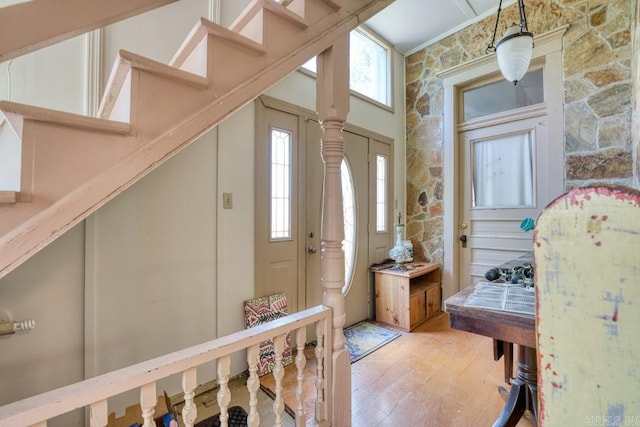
(400, 253)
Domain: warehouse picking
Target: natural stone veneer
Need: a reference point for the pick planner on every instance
(598, 96)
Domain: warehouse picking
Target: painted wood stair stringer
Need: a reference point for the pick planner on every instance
(38, 230)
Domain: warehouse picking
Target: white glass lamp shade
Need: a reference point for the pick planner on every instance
(514, 52)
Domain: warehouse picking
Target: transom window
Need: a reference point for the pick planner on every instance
(502, 95)
(369, 66)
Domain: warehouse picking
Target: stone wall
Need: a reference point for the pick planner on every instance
(598, 98)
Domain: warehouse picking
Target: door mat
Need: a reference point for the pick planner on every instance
(364, 338)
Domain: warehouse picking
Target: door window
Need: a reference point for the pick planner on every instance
(349, 211)
(280, 184)
(503, 172)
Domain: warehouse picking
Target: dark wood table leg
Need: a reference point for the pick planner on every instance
(524, 390)
(504, 349)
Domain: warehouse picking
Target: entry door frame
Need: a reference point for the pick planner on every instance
(375, 240)
(548, 52)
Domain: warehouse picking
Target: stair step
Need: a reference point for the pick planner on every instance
(205, 27)
(158, 68)
(332, 4)
(45, 115)
(128, 61)
(267, 5)
(8, 197)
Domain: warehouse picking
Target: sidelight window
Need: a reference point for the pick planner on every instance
(280, 184)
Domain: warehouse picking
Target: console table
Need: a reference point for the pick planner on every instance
(406, 298)
(517, 328)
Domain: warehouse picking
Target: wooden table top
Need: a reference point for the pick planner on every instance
(413, 269)
(507, 326)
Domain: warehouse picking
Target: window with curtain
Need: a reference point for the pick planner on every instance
(503, 172)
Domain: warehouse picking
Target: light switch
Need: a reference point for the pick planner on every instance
(227, 200)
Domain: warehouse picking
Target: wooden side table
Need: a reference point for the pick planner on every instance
(405, 299)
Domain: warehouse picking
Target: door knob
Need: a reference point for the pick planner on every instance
(311, 249)
(463, 239)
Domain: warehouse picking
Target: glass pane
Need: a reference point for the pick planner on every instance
(503, 172)
(381, 193)
(369, 67)
(310, 65)
(280, 184)
(502, 96)
(349, 211)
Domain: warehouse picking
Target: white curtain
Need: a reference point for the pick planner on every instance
(503, 171)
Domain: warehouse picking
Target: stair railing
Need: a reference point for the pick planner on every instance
(94, 393)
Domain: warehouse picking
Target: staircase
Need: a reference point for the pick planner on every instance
(73, 164)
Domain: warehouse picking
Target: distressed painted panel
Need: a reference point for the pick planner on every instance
(587, 254)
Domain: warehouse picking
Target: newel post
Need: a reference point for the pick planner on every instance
(332, 102)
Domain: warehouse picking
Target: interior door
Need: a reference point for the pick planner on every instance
(356, 199)
(503, 182)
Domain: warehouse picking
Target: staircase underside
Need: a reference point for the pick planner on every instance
(74, 164)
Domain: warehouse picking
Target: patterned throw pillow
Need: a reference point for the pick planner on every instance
(258, 311)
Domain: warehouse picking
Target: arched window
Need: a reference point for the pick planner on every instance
(349, 212)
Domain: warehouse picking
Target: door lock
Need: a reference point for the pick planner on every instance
(463, 239)
(311, 249)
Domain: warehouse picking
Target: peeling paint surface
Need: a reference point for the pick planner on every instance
(587, 264)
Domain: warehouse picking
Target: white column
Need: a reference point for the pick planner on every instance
(332, 94)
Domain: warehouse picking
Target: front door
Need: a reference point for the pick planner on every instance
(355, 193)
(289, 209)
(503, 181)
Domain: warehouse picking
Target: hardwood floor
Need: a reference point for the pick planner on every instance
(434, 376)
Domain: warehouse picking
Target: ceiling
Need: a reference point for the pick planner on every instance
(412, 24)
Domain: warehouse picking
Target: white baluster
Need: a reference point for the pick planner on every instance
(301, 361)
(253, 384)
(224, 395)
(98, 413)
(189, 410)
(278, 374)
(148, 404)
(320, 401)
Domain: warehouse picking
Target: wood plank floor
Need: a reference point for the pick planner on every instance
(434, 376)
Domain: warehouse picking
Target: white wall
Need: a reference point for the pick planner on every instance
(162, 266)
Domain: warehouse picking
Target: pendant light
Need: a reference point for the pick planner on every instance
(514, 50)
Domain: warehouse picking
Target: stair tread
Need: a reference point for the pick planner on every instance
(46, 115)
(127, 61)
(268, 5)
(143, 63)
(205, 27)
